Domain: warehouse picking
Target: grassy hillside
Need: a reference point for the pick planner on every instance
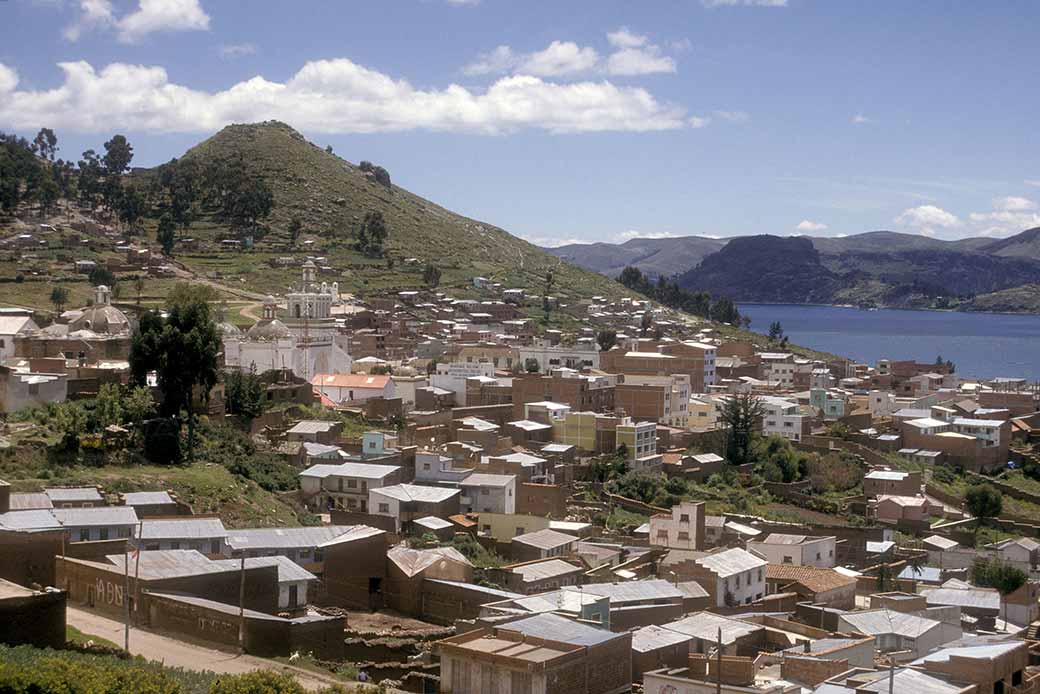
(331, 196)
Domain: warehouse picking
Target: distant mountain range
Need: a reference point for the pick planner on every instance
(878, 268)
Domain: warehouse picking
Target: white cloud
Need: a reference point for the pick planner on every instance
(926, 218)
(1009, 216)
(745, 3)
(809, 225)
(860, 119)
(8, 79)
(1014, 204)
(625, 38)
(681, 45)
(647, 60)
(463, 3)
(699, 121)
(559, 58)
(502, 59)
(328, 96)
(236, 50)
(94, 14)
(1035, 182)
(150, 16)
(555, 241)
(733, 116)
(633, 55)
(636, 234)
(162, 15)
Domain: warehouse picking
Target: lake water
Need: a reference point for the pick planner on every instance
(979, 344)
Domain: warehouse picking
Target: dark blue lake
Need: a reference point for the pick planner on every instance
(980, 344)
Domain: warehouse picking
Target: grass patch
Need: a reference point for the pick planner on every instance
(74, 635)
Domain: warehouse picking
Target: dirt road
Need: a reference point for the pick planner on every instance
(190, 656)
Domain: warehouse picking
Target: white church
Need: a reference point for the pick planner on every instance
(307, 342)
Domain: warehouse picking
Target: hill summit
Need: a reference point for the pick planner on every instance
(330, 196)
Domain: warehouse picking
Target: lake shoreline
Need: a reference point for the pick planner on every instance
(853, 307)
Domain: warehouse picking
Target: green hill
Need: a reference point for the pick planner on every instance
(331, 196)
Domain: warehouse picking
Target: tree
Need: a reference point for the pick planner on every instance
(531, 365)
(59, 297)
(983, 502)
(139, 405)
(372, 234)
(740, 414)
(550, 278)
(101, 275)
(118, 155)
(108, 405)
(47, 194)
(645, 322)
(45, 143)
(295, 227)
(725, 311)
(1006, 579)
(884, 577)
(182, 350)
(328, 149)
(606, 339)
(245, 394)
(166, 234)
(776, 332)
(139, 288)
(131, 207)
(431, 275)
(91, 174)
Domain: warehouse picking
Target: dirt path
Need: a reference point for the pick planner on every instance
(170, 651)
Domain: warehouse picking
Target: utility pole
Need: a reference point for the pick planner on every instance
(891, 675)
(241, 606)
(126, 595)
(718, 663)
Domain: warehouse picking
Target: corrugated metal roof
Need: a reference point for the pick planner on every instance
(545, 539)
(978, 598)
(30, 501)
(875, 622)
(183, 529)
(99, 516)
(311, 426)
(414, 561)
(550, 568)
(988, 651)
(288, 570)
(416, 492)
(731, 561)
(169, 563)
(35, 519)
(73, 494)
(147, 498)
(433, 523)
(556, 628)
(362, 470)
(705, 626)
(653, 637)
(484, 479)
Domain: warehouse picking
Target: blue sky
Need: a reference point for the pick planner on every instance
(581, 120)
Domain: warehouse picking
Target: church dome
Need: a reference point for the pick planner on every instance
(102, 318)
(273, 329)
(227, 329)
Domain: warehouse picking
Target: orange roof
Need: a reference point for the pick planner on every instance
(816, 579)
(351, 380)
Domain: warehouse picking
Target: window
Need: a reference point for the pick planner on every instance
(293, 595)
(684, 536)
(104, 533)
(384, 508)
(175, 545)
(426, 466)
(84, 534)
(351, 484)
(788, 560)
(484, 491)
(818, 556)
(519, 531)
(214, 547)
